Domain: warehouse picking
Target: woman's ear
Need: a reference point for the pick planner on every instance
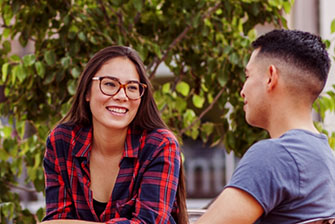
(87, 97)
(272, 77)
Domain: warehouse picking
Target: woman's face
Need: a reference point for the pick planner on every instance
(118, 111)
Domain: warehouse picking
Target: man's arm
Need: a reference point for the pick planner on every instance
(232, 206)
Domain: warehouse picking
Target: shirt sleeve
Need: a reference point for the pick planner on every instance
(268, 173)
(157, 193)
(58, 201)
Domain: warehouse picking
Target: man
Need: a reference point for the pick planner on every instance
(289, 178)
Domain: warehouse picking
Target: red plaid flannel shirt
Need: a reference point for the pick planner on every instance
(145, 188)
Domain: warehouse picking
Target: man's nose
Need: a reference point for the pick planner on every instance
(242, 92)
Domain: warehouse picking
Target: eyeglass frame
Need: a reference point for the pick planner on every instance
(99, 78)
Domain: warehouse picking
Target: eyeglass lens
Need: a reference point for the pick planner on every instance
(110, 87)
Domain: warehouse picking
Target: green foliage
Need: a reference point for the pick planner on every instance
(205, 44)
(326, 103)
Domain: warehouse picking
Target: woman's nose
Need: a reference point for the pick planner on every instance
(121, 94)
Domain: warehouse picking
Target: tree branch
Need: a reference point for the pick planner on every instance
(102, 6)
(179, 38)
(203, 112)
(136, 19)
(21, 188)
(120, 21)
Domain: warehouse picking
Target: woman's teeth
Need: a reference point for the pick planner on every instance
(117, 110)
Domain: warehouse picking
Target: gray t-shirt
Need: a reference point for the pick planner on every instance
(292, 177)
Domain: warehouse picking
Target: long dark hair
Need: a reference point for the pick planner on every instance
(147, 118)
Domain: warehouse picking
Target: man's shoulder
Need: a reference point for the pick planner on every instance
(265, 145)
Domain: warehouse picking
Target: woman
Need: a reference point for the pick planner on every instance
(112, 159)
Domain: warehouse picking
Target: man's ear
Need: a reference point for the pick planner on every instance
(272, 77)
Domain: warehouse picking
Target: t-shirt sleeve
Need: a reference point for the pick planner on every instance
(268, 173)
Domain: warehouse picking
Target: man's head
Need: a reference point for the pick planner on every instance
(294, 60)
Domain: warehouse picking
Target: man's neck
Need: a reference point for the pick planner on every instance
(287, 119)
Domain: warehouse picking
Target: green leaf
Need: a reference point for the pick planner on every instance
(198, 101)
(65, 62)
(7, 131)
(15, 58)
(40, 214)
(71, 87)
(28, 60)
(8, 14)
(138, 5)
(75, 72)
(188, 117)
(332, 27)
(166, 88)
(183, 88)
(82, 36)
(20, 72)
(7, 208)
(40, 69)
(3, 155)
(287, 7)
(206, 130)
(49, 78)
(223, 77)
(6, 32)
(50, 57)
(180, 104)
(234, 59)
(4, 71)
(6, 46)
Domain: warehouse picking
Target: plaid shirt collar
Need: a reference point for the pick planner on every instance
(82, 143)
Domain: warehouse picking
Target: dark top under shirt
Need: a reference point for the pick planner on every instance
(99, 207)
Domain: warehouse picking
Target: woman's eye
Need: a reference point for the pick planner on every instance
(132, 87)
(110, 84)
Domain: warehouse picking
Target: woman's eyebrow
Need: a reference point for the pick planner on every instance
(115, 78)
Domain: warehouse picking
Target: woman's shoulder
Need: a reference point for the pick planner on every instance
(70, 130)
(155, 143)
(161, 134)
(64, 128)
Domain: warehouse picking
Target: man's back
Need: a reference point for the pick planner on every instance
(292, 177)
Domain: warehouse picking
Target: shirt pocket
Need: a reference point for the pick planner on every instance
(126, 209)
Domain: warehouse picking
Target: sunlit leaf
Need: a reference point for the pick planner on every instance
(183, 88)
(4, 71)
(28, 60)
(198, 101)
(332, 27)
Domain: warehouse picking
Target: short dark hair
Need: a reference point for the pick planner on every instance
(304, 50)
